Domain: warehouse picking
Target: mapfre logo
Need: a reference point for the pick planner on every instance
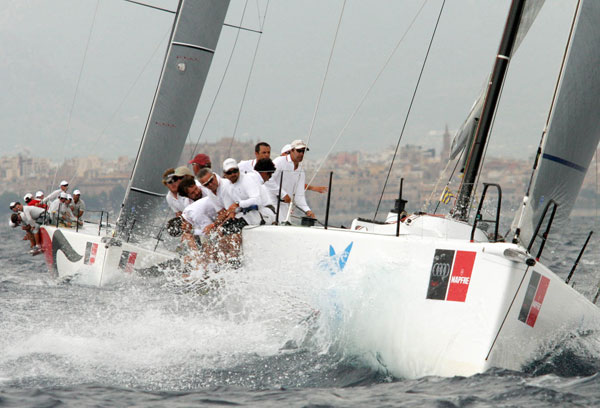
(450, 275)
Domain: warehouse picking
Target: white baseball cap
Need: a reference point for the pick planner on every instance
(63, 195)
(286, 148)
(229, 164)
(299, 144)
(69, 197)
(12, 204)
(76, 192)
(27, 196)
(39, 194)
(64, 183)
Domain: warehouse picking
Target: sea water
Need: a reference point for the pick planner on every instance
(254, 338)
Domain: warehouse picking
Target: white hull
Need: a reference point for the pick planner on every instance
(93, 259)
(484, 317)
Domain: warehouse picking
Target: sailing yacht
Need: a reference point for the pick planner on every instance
(97, 255)
(439, 295)
(446, 296)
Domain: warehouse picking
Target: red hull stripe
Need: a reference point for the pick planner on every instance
(536, 305)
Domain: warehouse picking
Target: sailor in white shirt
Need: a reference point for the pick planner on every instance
(244, 193)
(28, 218)
(264, 169)
(218, 188)
(262, 150)
(59, 210)
(175, 201)
(202, 212)
(292, 188)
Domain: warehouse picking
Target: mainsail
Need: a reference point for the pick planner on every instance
(573, 130)
(195, 34)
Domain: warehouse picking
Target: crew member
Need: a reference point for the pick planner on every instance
(175, 201)
(30, 219)
(243, 199)
(292, 187)
(262, 150)
(199, 162)
(78, 205)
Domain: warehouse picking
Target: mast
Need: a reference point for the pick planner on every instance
(196, 30)
(477, 151)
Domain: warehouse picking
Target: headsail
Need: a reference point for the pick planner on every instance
(573, 130)
(464, 135)
(195, 34)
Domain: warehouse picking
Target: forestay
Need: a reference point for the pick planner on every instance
(195, 34)
(573, 130)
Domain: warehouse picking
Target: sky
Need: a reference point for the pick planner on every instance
(79, 75)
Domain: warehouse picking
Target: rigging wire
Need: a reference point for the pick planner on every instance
(118, 109)
(237, 121)
(410, 107)
(139, 3)
(87, 45)
(335, 37)
(212, 105)
(368, 91)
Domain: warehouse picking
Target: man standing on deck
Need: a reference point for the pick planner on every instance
(292, 187)
(285, 151)
(262, 150)
(78, 205)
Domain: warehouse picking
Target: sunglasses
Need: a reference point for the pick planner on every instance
(232, 171)
(172, 180)
(300, 150)
(208, 181)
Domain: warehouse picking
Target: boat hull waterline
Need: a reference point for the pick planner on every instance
(93, 259)
(418, 305)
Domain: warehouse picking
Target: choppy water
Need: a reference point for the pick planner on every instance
(251, 343)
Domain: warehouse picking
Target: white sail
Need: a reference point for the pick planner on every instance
(466, 132)
(195, 34)
(573, 130)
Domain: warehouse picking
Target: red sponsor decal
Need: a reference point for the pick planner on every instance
(130, 262)
(461, 276)
(536, 305)
(93, 253)
(47, 247)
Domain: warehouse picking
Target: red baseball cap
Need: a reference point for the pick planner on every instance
(200, 159)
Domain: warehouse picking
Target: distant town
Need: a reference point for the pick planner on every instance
(358, 178)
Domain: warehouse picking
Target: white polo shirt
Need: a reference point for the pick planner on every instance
(221, 199)
(200, 214)
(247, 166)
(30, 214)
(246, 191)
(177, 204)
(293, 184)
